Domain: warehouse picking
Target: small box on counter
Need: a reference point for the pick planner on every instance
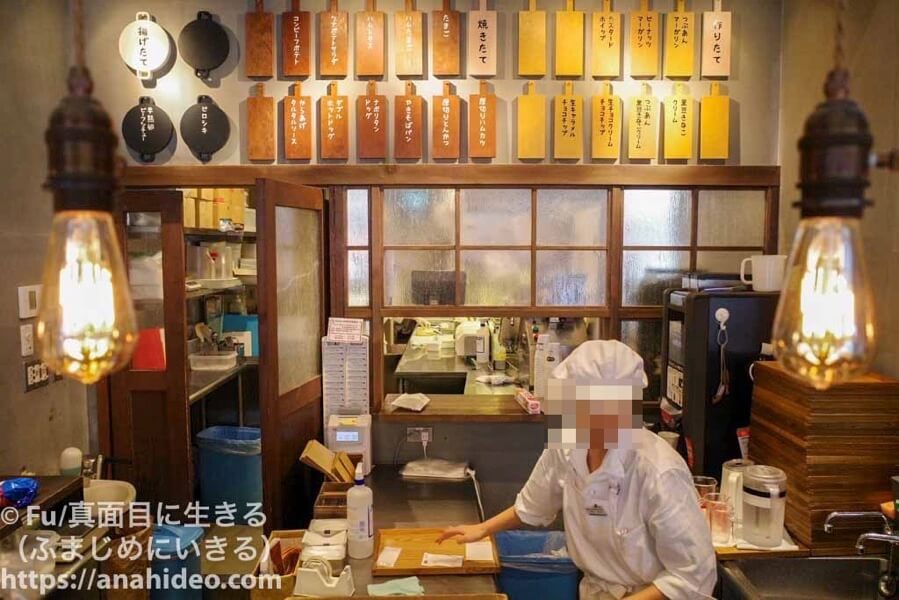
(284, 549)
(528, 402)
(331, 501)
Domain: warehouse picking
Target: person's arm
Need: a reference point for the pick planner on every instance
(650, 593)
(463, 534)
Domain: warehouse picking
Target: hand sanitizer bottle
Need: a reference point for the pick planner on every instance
(359, 503)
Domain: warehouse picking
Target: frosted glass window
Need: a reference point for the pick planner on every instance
(572, 217)
(647, 273)
(494, 217)
(645, 338)
(571, 278)
(721, 262)
(425, 277)
(357, 217)
(731, 218)
(358, 275)
(657, 217)
(497, 277)
(419, 217)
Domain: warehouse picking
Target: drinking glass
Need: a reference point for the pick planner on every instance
(721, 518)
(705, 485)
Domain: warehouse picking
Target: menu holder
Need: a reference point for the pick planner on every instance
(259, 42)
(297, 125)
(446, 125)
(680, 28)
(260, 125)
(408, 121)
(679, 124)
(409, 45)
(606, 47)
(532, 41)
(531, 124)
(482, 123)
(371, 124)
(482, 41)
(714, 125)
(370, 27)
(333, 126)
(446, 45)
(332, 41)
(606, 130)
(568, 124)
(644, 41)
(716, 42)
(296, 41)
(643, 126)
(569, 41)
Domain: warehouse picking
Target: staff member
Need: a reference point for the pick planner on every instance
(633, 524)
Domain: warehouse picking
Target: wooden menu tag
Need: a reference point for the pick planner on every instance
(370, 24)
(371, 124)
(409, 48)
(260, 125)
(569, 41)
(716, 40)
(679, 123)
(531, 124)
(260, 42)
(297, 125)
(446, 125)
(532, 41)
(332, 41)
(296, 41)
(482, 123)
(333, 126)
(482, 41)
(680, 29)
(644, 41)
(407, 122)
(606, 130)
(714, 124)
(606, 48)
(568, 124)
(643, 126)
(446, 46)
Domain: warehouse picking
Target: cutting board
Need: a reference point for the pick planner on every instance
(332, 41)
(297, 125)
(260, 125)
(370, 27)
(482, 123)
(371, 124)
(568, 124)
(482, 41)
(644, 41)
(532, 41)
(531, 124)
(259, 42)
(643, 125)
(409, 41)
(679, 123)
(606, 130)
(413, 544)
(296, 41)
(333, 126)
(716, 42)
(569, 41)
(714, 124)
(680, 30)
(408, 121)
(446, 125)
(446, 45)
(606, 42)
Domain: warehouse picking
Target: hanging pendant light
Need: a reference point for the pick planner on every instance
(86, 324)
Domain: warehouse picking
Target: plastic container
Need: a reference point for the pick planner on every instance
(530, 570)
(359, 503)
(764, 504)
(213, 361)
(174, 554)
(230, 460)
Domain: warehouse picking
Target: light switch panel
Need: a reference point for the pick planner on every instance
(26, 339)
(29, 300)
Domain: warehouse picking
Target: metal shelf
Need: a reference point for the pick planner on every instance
(215, 234)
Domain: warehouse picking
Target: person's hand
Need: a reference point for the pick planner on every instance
(463, 534)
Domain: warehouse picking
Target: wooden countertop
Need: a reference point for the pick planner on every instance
(460, 408)
(53, 490)
(732, 553)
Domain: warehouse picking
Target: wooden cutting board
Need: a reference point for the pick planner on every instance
(446, 46)
(296, 41)
(679, 123)
(260, 125)
(482, 123)
(716, 42)
(569, 41)
(333, 126)
(371, 124)
(408, 122)
(606, 130)
(643, 126)
(482, 41)
(606, 47)
(297, 125)
(259, 42)
(532, 41)
(370, 27)
(714, 124)
(531, 124)
(680, 29)
(645, 41)
(568, 124)
(408, 36)
(332, 41)
(414, 543)
(446, 125)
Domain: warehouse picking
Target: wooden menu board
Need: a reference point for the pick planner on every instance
(532, 41)
(482, 123)
(531, 124)
(408, 121)
(333, 128)
(446, 125)
(371, 124)
(569, 41)
(680, 28)
(606, 130)
(644, 41)
(332, 42)
(296, 41)
(716, 42)
(415, 543)
(482, 41)
(259, 42)
(260, 125)
(568, 124)
(370, 26)
(409, 35)
(606, 42)
(643, 126)
(297, 125)
(714, 125)
(679, 123)
(446, 45)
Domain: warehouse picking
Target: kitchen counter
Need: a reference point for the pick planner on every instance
(500, 408)
(417, 363)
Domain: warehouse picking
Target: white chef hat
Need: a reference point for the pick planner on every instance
(603, 362)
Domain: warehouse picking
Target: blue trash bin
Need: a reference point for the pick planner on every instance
(176, 558)
(529, 570)
(230, 465)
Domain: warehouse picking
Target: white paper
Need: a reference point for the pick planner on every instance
(345, 330)
(441, 560)
(388, 557)
(479, 551)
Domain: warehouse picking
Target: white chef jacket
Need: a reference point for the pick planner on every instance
(633, 522)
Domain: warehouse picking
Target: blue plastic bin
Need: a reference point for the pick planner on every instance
(179, 559)
(529, 570)
(230, 465)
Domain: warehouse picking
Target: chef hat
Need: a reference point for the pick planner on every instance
(603, 362)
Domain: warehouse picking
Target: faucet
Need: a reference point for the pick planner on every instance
(92, 467)
(869, 515)
(888, 584)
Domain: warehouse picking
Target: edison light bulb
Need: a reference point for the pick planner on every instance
(86, 325)
(824, 328)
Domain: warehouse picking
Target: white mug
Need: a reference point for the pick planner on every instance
(767, 272)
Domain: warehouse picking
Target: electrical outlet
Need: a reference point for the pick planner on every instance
(26, 339)
(416, 435)
(37, 374)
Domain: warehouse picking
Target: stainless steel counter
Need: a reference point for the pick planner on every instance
(417, 363)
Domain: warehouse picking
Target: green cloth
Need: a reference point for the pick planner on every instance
(397, 587)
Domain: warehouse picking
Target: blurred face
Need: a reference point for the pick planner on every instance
(583, 414)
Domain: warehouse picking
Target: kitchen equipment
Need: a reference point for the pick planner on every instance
(732, 487)
(204, 44)
(144, 46)
(259, 44)
(205, 128)
(351, 434)
(467, 337)
(414, 543)
(764, 503)
(147, 129)
(704, 485)
(767, 272)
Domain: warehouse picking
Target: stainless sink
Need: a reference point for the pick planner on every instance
(849, 578)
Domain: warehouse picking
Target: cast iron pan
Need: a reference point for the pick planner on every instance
(205, 128)
(203, 44)
(147, 129)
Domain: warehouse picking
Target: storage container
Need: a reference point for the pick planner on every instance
(213, 361)
(530, 570)
(174, 553)
(230, 460)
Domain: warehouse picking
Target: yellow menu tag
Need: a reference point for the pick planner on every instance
(644, 41)
(714, 124)
(569, 41)
(679, 123)
(532, 41)
(680, 28)
(606, 42)
(643, 126)
(606, 130)
(568, 124)
(531, 125)
(716, 37)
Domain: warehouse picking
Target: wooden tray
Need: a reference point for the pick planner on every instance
(414, 543)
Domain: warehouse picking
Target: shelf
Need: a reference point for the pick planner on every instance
(461, 408)
(215, 234)
(202, 383)
(204, 292)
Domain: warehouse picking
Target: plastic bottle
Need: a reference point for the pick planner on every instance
(540, 365)
(359, 503)
(482, 356)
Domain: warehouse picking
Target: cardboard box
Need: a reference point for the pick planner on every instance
(190, 211)
(238, 200)
(207, 194)
(204, 214)
(221, 207)
(288, 582)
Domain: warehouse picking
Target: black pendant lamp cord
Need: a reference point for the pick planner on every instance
(839, 54)
(77, 10)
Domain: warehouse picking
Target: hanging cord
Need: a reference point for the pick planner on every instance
(724, 374)
(77, 10)
(839, 52)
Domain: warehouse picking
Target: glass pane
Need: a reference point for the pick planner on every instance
(419, 277)
(657, 217)
(645, 338)
(298, 277)
(357, 217)
(731, 218)
(496, 217)
(419, 217)
(648, 273)
(571, 278)
(143, 244)
(358, 274)
(572, 217)
(721, 262)
(496, 277)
